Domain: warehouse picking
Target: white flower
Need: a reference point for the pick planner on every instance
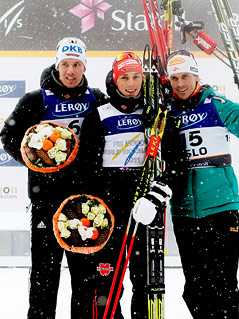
(74, 223)
(52, 152)
(60, 157)
(65, 233)
(36, 141)
(59, 129)
(46, 132)
(85, 232)
(62, 217)
(85, 209)
(60, 144)
(66, 134)
(95, 210)
(40, 127)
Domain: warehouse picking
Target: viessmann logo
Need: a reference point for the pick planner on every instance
(87, 10)
(11, 18)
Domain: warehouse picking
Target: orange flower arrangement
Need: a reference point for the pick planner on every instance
(48, 147)
(83, 224)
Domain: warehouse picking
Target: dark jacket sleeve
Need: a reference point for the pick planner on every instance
(101, 98)
(28, 112)
(175, 156)
(90, 153)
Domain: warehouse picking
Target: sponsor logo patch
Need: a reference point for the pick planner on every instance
(104, 269)
(12, 89)
(177, 60)
(41, 225)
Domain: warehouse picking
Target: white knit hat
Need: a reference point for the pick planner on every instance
(182, 64)
(71, 48)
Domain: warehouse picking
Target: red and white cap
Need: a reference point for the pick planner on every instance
(126, 62)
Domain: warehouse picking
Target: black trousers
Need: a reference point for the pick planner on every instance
(92, 279)
(46, 256)
(209, 251)
(89, 281)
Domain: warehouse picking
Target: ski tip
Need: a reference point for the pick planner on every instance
(146, 54)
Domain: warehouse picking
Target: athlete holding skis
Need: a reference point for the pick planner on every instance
(113, 148)
(205, 200)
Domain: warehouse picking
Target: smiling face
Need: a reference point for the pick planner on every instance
(71, 72)
(183, 84)
(129, 84)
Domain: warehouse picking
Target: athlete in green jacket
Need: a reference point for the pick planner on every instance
(205, 200)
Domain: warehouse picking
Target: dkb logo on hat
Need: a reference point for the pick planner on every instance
(74, 50)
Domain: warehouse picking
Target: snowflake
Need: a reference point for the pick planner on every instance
(85, 12)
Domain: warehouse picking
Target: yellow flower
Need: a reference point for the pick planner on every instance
(85, 209)
(62, 217)
(65, 233)
(52, 152)
(66, 134)
(60, 144)
(104, 223)
(98, 220)
(95, 210)
(60, 157)
(102, 208)
(61, 226)
(90, 216)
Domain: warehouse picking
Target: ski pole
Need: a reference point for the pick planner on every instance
(231, 20)
(204, 42)
(150, 23)
(162, 47)
(168, 23)
(157, 35)
(226, 38)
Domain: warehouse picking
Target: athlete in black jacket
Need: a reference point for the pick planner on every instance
(64, 98)
(113, 149)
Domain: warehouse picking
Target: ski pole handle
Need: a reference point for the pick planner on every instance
(205, 42)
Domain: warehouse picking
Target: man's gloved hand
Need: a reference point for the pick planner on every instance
(145, 208)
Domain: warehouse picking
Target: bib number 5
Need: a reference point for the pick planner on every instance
(193, 141)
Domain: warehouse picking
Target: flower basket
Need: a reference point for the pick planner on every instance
(48, 147)
(83, 224)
